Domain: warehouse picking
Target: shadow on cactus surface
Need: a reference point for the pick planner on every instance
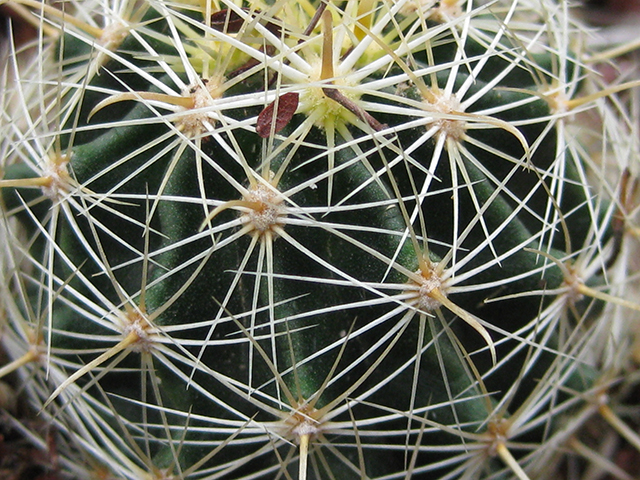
(359, 239)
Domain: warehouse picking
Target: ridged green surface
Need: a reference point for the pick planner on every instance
(322, 309)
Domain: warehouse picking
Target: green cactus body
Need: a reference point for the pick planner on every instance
(331, 292)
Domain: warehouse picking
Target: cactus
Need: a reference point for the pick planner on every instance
(366, 239)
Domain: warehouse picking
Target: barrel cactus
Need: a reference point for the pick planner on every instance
(359, 239)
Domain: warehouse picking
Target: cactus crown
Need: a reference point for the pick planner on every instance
(308, 239)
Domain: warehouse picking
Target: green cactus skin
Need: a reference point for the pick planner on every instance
(254, 297)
